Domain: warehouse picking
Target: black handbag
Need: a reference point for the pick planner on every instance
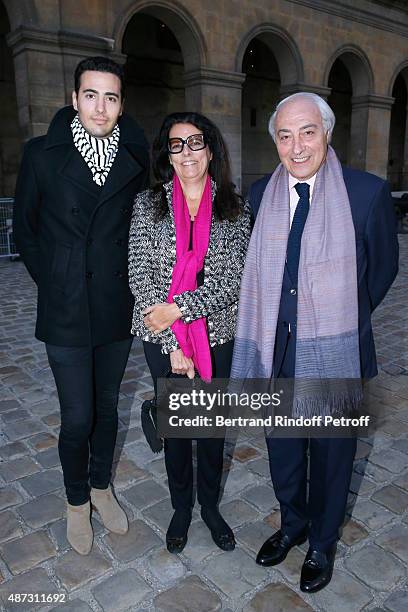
(150, 408)
(149, 425)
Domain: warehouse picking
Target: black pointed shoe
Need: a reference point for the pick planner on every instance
(276, 548)
(317, 570)
(176, 536)
(221, 532)
(176, 545)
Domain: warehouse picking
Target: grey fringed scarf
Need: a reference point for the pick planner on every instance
(98, 153)
(327, 327)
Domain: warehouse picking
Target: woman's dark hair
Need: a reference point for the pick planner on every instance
(99, 64)
(227, 203)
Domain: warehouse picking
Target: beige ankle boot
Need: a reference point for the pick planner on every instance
(112, 515)
(79, 528)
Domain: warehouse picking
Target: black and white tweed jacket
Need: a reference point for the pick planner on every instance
(152, 256)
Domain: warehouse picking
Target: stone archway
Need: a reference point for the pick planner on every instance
(177, 19)
(351, 79)
(10, 136)
(358, 65)
(273, 68)
(161, 44)
(398, 142)
(284, 49)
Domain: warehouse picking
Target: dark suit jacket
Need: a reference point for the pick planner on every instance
(73, 235)
(376, 248)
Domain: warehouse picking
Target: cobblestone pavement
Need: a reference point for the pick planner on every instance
(135, 571)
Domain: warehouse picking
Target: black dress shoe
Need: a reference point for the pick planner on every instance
(276, 548)
(176, 536)
(317, 570)
(221, 532)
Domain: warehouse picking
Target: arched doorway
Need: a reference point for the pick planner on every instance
(272, 65)
(340, 101)
(350, 76)
(163, 45)
(10, 137)
(398, 144)
(154, 72)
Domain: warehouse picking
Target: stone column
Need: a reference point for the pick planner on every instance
(370, 130)
(39, 78)
(76, 46)
(217, 95)
(404, 178)
(44, 63)
(358, 132)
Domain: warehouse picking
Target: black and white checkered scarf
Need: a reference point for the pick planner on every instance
(98, 153)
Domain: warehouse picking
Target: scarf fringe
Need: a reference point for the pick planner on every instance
(330, 404)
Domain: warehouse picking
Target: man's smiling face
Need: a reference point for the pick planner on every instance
(300, 138)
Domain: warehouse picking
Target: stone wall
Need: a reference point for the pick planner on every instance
(10, 136)
(306, 38)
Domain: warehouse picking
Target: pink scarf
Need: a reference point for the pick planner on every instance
(192, 337)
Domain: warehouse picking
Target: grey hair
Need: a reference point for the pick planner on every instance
(328, 118)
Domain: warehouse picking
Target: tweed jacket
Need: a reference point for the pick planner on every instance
(152, 256)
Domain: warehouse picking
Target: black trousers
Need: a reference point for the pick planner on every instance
(178, 451)
(88, 381)
(331, 466)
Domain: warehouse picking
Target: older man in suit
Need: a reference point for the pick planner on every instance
(73, 206)
(322, 256)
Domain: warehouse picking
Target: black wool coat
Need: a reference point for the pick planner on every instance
(73, 235)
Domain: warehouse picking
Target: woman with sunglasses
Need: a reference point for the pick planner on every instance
(187, 247)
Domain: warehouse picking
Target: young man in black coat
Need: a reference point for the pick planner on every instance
(73, 207)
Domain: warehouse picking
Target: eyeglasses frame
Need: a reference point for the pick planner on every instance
(184, 142)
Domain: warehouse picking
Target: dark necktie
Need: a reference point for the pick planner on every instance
(296, 231)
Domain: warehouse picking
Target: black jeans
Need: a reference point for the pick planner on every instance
(178, 451)
(88, 381)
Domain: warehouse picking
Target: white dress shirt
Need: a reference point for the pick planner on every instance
(293, 195)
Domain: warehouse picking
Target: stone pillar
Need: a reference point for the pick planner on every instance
(76, 46)
(370, 130)
(39, 78)
(44, 63)
(404, 177)
(358, 132)
(217, 95)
